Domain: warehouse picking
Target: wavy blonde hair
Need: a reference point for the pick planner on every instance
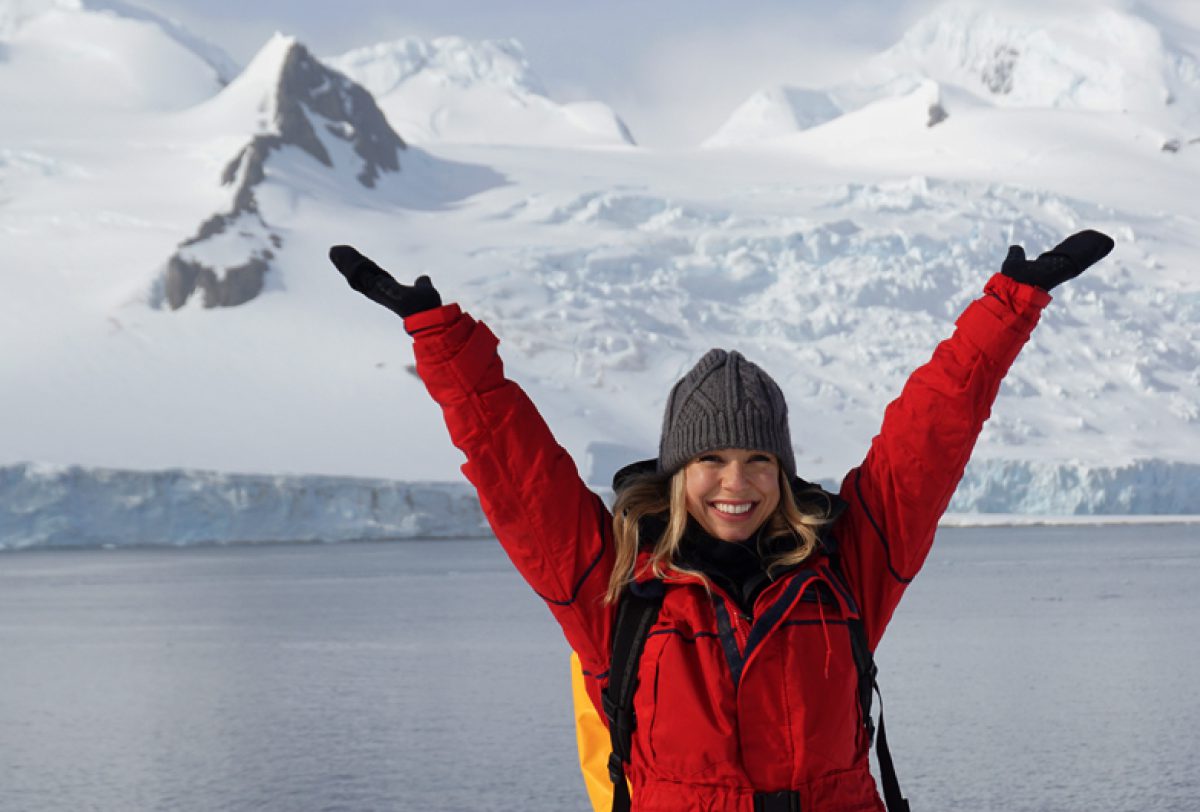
(659, 495)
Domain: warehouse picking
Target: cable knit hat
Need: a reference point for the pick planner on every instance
(725, 401)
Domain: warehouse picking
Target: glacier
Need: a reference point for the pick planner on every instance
(72, 506)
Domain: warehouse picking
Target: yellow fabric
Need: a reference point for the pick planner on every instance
(591, 735)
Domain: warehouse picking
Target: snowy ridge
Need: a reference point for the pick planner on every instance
(775, 112)
(14, 14)
(226, 69)
(105, 53)
(452, 90)
(71, 506)
(1096, 60)
(455, 61)
(1093, 59)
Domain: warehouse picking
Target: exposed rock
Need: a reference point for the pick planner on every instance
(997, 74)
(234, 285)
(350, 112)
(305, 100)
(937, 114)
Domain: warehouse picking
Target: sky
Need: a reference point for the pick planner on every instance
(673, 69)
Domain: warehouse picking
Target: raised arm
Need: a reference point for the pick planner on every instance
(556, 531)
(902, 488)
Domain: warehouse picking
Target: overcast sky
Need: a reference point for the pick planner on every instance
(673, 69)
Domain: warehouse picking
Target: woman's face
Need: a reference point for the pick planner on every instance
(731, 492)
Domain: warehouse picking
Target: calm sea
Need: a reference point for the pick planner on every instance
(1028, 669)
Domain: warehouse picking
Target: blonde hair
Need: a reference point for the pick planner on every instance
(660, 495)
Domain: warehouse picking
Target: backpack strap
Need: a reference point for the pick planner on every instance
(892, 797)
(636, 612)
(868, 687)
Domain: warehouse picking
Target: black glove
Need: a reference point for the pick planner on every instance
(1067, 260)
(378, 285)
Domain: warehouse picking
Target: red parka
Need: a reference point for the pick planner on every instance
(731, 704)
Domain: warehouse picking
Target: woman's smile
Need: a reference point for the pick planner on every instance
(732, 491)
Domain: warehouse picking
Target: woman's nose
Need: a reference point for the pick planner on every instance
(733, 475)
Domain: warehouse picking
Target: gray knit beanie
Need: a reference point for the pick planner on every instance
(725, 401)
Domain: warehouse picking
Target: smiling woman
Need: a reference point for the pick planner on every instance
(731, 492)
(745, 681)
(726, 472)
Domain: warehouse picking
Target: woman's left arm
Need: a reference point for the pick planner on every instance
(902, 488)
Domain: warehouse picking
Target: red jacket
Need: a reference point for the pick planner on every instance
(730, 704)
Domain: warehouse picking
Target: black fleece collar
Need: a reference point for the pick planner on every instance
(735, 566)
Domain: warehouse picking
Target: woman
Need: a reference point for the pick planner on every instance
(748, 694)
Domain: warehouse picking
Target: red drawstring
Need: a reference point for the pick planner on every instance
(824, 625)
(825, 631)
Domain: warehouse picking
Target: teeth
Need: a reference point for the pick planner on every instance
(734, 509)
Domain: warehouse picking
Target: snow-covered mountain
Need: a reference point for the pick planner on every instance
(774, 112)
(102, 54)
(451, 90)
(836, 256)
(967, 56)
(291, 102)
(1101, 59)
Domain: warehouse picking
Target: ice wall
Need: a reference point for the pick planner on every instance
(57, 506)
(1151, 487)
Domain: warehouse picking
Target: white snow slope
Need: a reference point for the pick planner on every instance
(450, 90)
(971, 55)
(836, 257)
(95, 54)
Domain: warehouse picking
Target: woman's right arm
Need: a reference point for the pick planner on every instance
(556, 531)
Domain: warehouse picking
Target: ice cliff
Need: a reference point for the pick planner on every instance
(53, 506)
(84, 507)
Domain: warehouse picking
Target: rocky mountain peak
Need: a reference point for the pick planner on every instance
(344, 108)
(303, 97)
(298, 102)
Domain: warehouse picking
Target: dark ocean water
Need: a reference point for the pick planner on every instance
(1028, 669)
